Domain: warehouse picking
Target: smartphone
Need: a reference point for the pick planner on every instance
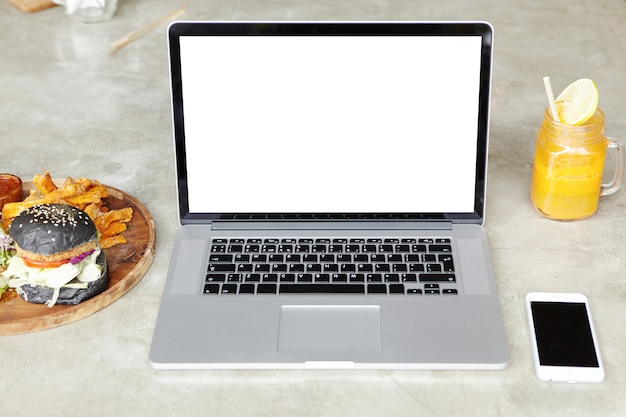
(563, 338)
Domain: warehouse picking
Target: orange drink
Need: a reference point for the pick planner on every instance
(569, 162)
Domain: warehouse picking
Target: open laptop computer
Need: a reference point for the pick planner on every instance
(331, 186)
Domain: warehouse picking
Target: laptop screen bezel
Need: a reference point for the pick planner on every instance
(482, 29)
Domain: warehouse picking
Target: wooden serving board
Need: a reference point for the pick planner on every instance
(29, 6)
(127, 262)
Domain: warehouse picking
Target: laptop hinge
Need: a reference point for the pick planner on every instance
(322, 225)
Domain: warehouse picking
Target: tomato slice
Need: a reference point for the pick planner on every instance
(43, 264)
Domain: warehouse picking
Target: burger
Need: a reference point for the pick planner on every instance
(57, 256)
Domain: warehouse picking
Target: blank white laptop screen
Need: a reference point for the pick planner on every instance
(331, 124)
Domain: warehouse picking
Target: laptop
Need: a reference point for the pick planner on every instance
(331, 191)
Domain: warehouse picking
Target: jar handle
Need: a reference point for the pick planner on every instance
(613, 186)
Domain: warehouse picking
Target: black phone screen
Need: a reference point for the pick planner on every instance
(563, 334)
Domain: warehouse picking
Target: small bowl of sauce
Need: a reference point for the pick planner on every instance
(11, 189)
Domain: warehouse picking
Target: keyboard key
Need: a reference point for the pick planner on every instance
(385, 248)
(242, 258)
(268, 248)
(322, 289)
(431, 286)
(440, 248)
(376, 289)
(259, 258)
(266, 289)
(374, 277)
(212, 277)
(221, 258)
(368, 249)
(409, 277)
(252, 277)
(287, 277)
(429, 258)
(276, 258)
(218, 248)
(344, 258)
(356, 277)
(252, 248)
(352, 248)
(391, 277)
(235, 248)
(212, 289)
(221, 268)
(361, 258)
(339, 277)
(321, 277)
(304, 277)
(318, 248)
(285, 248)
(246, 289)
(396, 289)
(229, 289)
(327, 258)
(378, 258)
(433, 277)
(234, 277)
(269, 277)
(335, 248)
(418, 248)
(311, 258)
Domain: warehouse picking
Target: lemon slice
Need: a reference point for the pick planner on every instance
(578, 102)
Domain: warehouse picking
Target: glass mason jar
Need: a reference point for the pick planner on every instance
(567, 171)
(89, 11)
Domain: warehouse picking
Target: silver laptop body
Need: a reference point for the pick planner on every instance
(330, 140)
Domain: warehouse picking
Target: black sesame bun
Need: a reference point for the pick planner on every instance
(53, 232)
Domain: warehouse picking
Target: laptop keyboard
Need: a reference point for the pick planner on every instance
(331, 266)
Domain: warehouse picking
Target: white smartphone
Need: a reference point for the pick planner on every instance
(563, 339)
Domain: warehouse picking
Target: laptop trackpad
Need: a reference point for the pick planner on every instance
(329, 328)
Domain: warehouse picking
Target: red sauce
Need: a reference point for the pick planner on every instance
(10, 189)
